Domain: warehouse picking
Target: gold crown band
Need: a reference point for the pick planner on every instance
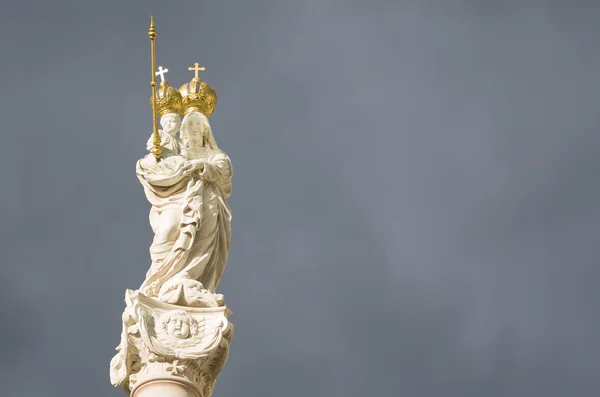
(194, 96)
(168, 100)
(198, 96)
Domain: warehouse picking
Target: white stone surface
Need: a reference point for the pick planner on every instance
(190, 216)
(161, 340)
(169, 142)
(175, 336)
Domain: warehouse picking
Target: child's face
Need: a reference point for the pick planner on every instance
(179, 327)
(170, 124)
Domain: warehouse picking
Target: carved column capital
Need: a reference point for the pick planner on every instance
(162, 343)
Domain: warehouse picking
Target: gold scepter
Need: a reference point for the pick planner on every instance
(156, 149)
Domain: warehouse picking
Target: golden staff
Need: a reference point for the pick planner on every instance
(156, 149)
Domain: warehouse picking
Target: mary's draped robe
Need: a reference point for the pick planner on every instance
(190, 204)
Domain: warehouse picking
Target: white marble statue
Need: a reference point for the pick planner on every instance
(163, 341)
(175, 334)
(188, 191)
(170, 143)
(170, 121)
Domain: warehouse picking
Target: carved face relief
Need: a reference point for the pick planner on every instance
(194, 130)
(179, 326)
(187, 334)
(170, 123)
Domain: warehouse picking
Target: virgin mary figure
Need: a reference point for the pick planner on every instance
(190, 216)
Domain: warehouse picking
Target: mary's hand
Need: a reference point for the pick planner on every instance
(193, 166)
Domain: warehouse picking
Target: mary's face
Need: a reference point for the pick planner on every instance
(194, 129)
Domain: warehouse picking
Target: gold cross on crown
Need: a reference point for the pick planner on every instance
(197, 69)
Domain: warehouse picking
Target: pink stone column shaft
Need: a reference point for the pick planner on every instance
(165, 387)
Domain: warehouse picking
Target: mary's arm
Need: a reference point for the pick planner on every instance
(217, 167)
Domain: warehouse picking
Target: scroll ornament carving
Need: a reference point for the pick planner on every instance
(161, 340)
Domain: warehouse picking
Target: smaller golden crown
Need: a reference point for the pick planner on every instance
(197, 95)
(168, 100)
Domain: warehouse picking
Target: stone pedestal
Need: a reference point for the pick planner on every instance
(170, 350)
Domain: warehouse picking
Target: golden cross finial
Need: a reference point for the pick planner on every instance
(197, 69)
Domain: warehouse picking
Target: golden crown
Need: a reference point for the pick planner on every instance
(197, 95)
(168, 100)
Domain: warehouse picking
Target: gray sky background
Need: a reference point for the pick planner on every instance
(415, 200)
